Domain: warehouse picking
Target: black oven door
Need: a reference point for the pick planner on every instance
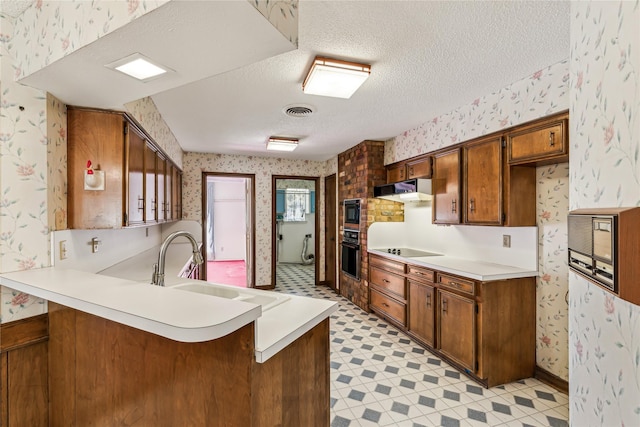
(351, 260)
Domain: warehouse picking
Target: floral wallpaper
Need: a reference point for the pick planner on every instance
(57, 163)
(283, 15)
(552, 329)
(543, 93)
(604, 331)
(263, 168)
(24, 230)
(146, 113)
(50, 30)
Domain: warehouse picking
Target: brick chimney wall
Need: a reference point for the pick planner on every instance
(360, 169)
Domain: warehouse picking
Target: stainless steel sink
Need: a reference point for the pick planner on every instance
(266, 299)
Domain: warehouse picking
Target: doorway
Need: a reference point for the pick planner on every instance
(295, 239)
(228, 219)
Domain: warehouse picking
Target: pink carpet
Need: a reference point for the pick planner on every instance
(227, 273)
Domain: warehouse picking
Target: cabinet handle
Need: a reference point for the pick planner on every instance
(140, 203)
(411, 170)
(429, 300)
(552, 139)
(472, 204)
(384, 304)
(444, 306)
(154, 205)
(386, 281)
(454, 208)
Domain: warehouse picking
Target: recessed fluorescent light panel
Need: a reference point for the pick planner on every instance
(140, 67)
(331, 77)
(282, 144)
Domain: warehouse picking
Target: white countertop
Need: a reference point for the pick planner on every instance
(123, 293)
(478, 270)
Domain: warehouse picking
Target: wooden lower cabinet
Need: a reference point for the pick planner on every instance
(486, 329)
(457, 329)
(103, 373)
(23, 373)
(422, 312)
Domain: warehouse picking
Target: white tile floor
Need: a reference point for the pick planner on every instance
(380, 377)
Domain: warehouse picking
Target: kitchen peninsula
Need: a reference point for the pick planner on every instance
(124, 352)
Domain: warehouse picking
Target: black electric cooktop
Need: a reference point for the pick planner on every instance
(407, 252)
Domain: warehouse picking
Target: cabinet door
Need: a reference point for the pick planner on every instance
(161, 183)
(135, 177)
(483, 182)
(150, 185)
(97, 137)
(457, 327)
(543, 142)
(419, 168)
(396, 173)
(422, 311)
(446, 187)
(170, 191)
(177, 194)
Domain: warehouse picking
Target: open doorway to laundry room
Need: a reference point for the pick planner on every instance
(228, 218)
(295, 228)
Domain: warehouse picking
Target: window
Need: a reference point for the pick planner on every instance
(294, 204)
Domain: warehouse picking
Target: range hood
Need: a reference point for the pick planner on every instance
(411, 190)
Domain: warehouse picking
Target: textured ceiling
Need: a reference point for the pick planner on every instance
(427, 59)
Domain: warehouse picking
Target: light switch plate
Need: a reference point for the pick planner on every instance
(506, 240)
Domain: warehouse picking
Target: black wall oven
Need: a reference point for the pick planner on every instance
(352, 213)
(350, 264)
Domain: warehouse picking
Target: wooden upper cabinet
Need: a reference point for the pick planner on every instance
(169, 193)
(419, 168)
(150, 185)
(135, 176)
(483, 182)
(446, 187)
(396, 173)
(161, 183)
(545, 141)
(176, 189)
(132, 165)
(97, 137)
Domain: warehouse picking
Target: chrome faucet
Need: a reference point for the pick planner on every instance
(158, 268)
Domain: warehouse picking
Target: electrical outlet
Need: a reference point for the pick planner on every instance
(63, 249)
(506, 240)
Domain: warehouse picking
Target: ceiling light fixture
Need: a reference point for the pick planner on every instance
(276, 143)
(331, 77)
(139, 67)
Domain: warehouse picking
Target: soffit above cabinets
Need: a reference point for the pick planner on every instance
(196, 39)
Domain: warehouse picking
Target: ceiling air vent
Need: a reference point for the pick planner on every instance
(298, 110)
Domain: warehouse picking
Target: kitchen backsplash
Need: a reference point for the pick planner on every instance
(460, 241)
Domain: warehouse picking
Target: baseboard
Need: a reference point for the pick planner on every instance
(551, 380)
(265, 287)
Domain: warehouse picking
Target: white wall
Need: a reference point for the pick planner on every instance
(290, 247)
(460, 241)
(229, 219)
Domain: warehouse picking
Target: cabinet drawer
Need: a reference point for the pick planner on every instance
(388, 281)
(546, 141)
(420, 273)
(386, 264)
(456, 283)
(394, 309)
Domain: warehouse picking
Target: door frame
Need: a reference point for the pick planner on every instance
(332, 283)
(316, 261)
(250, 220)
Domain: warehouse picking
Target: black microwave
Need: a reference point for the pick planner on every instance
(352, 213)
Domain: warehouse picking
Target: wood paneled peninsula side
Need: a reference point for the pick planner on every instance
(123, 352)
